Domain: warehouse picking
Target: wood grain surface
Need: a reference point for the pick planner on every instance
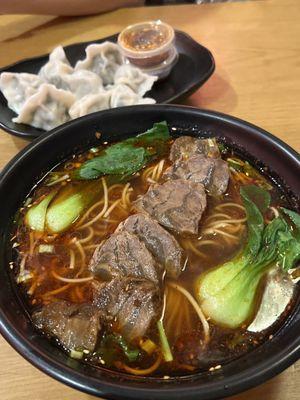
(256, 45)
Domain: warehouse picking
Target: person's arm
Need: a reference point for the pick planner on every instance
(63, 7)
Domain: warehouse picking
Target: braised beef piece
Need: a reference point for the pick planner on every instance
(163, 246)
(220, 178)
(124, 254)
(133, 302)
(213, 173)
(196, 168)
(75, 326)
(177, 205)
(186, 146)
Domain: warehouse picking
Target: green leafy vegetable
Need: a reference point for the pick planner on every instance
(261, 198)
(130, 353)
(128, 156)
(289, 250)
(166, 350)
(250, 195)
(294, 217)
(158, 134)
(112, 344)
(69, 204)
(36, 215)
(289, 245)
(117, 159)
(227, 293)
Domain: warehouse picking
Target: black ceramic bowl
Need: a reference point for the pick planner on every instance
(28, 166)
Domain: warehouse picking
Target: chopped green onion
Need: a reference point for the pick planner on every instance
(222, 148)
(46, 248)
(166, 350)
(234, 161)
(94, 150)
(237, 166)
(27, 201)
(58, 179)
(148, 346)
(77, 355)
(211, 142)
(24, 277)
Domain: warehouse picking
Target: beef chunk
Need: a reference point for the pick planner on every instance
(124, 254)
(176, 204)
(186, 146)
(220, 178)
(133, 302)
(213, 173)
(75, 326)
(195, 168)
(158, 241)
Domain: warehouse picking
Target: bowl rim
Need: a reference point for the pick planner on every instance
(236, 383)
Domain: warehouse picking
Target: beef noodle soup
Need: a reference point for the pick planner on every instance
(155, 256)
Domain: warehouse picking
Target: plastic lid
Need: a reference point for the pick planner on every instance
(146, 39)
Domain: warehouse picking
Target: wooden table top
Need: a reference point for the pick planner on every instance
(256, 45)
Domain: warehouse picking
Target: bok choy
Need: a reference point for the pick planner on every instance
(69, 204)
(36, 215)
(227, 293)
(61, 208)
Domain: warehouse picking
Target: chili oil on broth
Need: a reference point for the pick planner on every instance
(64, 275)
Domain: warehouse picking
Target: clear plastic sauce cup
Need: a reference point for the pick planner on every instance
(149, 46)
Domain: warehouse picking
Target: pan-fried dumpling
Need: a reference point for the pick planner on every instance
(123, 95)
(47, 108)
(17, 88)
(134, 78)
(89, 104)
(57, 66)
(82, 82)
(103, 59)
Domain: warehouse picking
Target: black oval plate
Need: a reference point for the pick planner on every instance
(195, 65)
